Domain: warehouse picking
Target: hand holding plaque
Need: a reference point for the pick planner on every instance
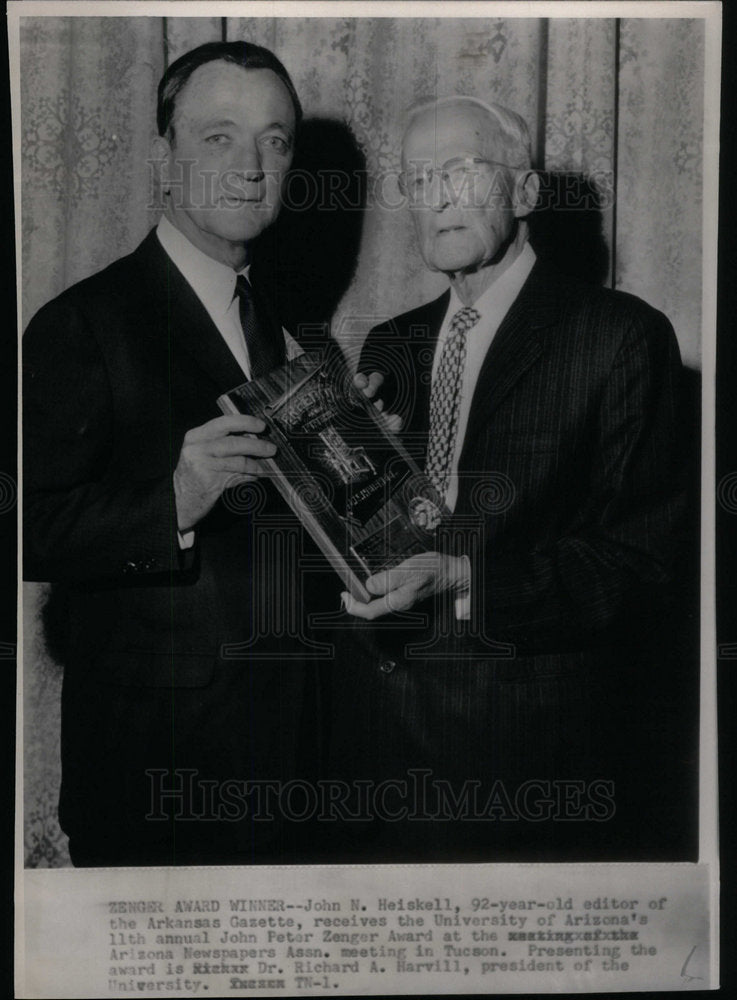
(343, 472)
(412, 581)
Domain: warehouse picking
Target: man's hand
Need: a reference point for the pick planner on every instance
(369, 386)
(412, 581)
(220, 453)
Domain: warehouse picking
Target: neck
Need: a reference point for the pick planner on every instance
(470, 285)
(233, 255)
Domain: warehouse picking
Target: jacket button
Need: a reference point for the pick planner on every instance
(386, 666)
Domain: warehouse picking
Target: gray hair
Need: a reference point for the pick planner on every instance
(512, 128)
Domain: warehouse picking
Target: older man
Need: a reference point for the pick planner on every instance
(505, 686)
(182, 692)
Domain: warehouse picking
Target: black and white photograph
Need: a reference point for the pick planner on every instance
(492, 230)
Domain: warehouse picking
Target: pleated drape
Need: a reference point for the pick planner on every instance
(618, 100)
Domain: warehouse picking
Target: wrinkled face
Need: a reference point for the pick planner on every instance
(232, 143)
(462, 220)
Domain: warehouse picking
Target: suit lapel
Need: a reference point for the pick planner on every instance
(515, 348)
(423, 333)
(187, 323)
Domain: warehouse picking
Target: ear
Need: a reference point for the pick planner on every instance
(526, 191)
(161, 157)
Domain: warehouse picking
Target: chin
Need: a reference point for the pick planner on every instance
(460, 257)
(244, 230)
(455, 262)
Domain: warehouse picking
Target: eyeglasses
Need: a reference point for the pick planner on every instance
(457, 174)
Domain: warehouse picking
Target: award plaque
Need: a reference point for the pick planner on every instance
(348, 479)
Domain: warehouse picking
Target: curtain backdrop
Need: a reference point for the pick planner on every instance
(620, 101)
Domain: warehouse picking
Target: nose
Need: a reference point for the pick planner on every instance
(437, 192)
(246, 162)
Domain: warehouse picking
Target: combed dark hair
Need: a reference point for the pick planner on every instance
(243, 54)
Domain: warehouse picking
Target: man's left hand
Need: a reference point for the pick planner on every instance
(369, 386)
(414, 580)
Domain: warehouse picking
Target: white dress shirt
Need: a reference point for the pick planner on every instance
(214, 285)
(493, 306)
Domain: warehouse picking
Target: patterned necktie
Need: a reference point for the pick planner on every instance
(265, 347)
(445, 399)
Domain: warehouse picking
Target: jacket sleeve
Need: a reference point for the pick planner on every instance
(83, 519)
(614, 565)
(613, 561)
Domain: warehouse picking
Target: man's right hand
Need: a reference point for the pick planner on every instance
(218, 454)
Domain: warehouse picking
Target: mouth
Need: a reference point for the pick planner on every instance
(236, 202)
(450, 229)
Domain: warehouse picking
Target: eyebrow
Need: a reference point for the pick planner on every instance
(230, 123)
(220, 123)
(282, 125)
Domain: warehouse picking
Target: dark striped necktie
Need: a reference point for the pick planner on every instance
(264, 340)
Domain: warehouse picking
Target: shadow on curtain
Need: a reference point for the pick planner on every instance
(598, 94)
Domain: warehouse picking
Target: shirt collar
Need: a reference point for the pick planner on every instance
(501, 293)
(212, 282)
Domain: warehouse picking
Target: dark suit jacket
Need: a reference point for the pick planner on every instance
(178, 662)
(569, 504)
